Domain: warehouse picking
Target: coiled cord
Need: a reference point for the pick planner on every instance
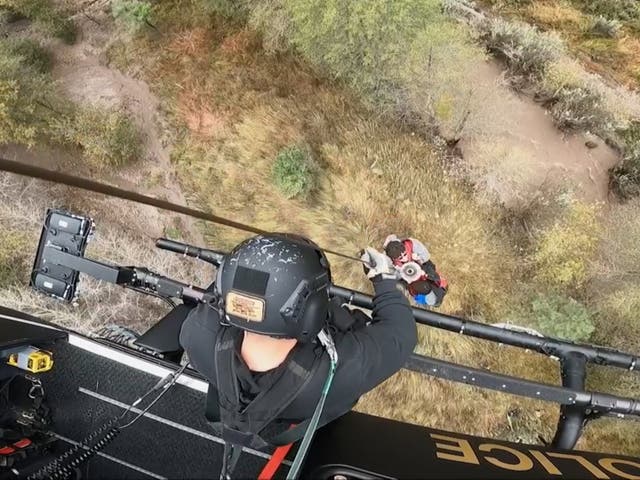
(65, 471)
(62, 467)
(50, 469)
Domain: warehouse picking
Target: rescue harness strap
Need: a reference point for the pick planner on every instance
(233, 450)
(327, 342)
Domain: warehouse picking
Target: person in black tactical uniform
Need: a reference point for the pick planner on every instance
(261, 347)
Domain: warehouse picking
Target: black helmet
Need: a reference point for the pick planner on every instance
(277, 285)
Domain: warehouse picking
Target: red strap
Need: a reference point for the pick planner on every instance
(274, 462)
(6, 451)
(25, 442)
(408, 248)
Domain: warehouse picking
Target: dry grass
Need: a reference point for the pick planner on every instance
(190, 42)
(559, 15)
(120, 238)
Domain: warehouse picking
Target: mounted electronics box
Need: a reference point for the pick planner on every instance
(64, 233)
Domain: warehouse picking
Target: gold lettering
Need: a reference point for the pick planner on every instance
(582, 461)
(462, 448)
(524, 462)
(545, 462)
(608, 463)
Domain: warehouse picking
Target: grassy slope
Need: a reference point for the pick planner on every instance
(234, 108)
(614, 58)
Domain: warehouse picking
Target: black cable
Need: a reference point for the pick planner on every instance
(62, 467)
(97, 187)
(151, 293)
(165, 384)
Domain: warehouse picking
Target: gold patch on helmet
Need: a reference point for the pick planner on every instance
(245, 306)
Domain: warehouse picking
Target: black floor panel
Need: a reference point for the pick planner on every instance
(162, 449)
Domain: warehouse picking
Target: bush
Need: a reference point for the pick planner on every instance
(133, 14)
(271, 18)
(294, 171)
(603, 27)
(46, 17)
(625, 177)
(623, 10)
(562, 317)
(581, 108)
(108, 137)
(31, 52)
(362, 43)
(26, 96)
(407, 57)
(527, 51)
(565, 250)
(6, 16)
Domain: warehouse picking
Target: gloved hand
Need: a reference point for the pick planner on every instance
(378, 265)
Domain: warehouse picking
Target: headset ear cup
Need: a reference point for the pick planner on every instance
(314, 315)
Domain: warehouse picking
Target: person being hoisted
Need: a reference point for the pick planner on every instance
(278, 350)
(413, 263)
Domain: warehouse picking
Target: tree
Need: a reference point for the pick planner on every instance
(25, 100)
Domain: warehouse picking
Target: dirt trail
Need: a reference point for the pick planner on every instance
(81, 72)
(521, 151)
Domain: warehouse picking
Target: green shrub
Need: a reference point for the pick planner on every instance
(362, 43)
(565, 250)
(26, 98)
(623, 10)
(581, 108)
(31, 52)
(625, 177)
(6, 16)
(527, 51)
(108, 137)
(133, 14)
(562, 317)
(407, 57)
(293, 171)
(46, 16)
(271, 18)
(604, 27)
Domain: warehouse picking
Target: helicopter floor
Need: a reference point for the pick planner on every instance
(85, 390)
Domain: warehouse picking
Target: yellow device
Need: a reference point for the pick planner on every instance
(32, 360)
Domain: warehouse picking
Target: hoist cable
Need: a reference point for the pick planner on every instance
(98, 187)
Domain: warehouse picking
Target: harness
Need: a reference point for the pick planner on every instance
(247, 424)
(244, 424)
(408, 249)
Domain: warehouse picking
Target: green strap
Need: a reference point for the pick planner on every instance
(315, 419)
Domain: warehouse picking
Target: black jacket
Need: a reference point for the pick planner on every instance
(366, 356)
